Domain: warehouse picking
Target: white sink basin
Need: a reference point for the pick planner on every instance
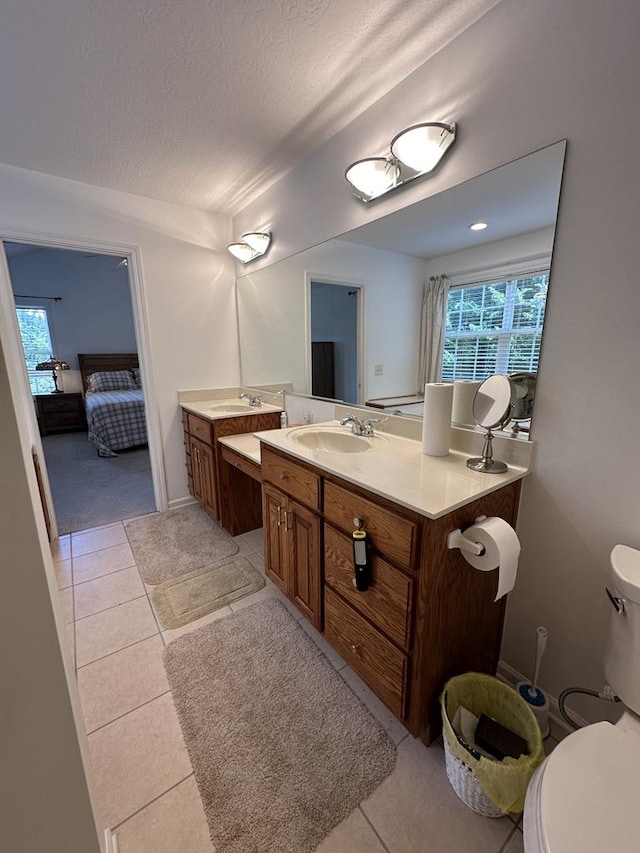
(333, 439)
(234, 407)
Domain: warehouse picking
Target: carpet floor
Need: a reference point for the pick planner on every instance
(281, 748)
(170, 544)
(182, 600)
(89, 491)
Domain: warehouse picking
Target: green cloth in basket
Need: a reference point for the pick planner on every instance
(504, 782)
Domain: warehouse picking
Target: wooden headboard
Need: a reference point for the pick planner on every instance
(93, 362)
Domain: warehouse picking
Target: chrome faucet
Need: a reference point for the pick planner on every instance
(359, 427)
(254, 400)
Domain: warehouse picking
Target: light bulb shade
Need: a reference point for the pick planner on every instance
(258, 240)
(422, 146)
(243, 252)
(372, 177)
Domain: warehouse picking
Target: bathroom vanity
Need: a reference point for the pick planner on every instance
(427, 615)
(203, 423)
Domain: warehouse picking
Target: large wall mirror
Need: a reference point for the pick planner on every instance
(344, 319)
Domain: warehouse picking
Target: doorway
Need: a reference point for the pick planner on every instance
(335, 322)
(70, 301)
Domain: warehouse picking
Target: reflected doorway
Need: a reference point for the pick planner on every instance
(335, 345)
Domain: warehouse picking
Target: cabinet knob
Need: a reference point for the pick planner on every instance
(354, 648)
(283, 475)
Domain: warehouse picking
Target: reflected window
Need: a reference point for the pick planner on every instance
(36, 343)
(494, 327)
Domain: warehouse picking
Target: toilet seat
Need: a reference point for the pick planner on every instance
(584, 797)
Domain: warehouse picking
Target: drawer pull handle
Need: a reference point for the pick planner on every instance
(237, 464)
(283, 475)
(354, 648)
(358, 523)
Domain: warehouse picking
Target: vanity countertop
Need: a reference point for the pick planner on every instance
(398, 470)
(246, 444)
(211, 409)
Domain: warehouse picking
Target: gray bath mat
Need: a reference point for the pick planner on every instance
(171, 544)
(182, 600)
(281, 748)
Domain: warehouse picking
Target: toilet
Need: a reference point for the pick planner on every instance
(584, 797)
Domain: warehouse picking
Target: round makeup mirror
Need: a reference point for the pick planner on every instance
(492, 407)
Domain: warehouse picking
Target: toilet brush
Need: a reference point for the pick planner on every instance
(530, 692)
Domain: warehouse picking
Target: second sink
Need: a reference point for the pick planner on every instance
(332, 440)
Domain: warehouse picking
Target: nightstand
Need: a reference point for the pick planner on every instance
(60, 412)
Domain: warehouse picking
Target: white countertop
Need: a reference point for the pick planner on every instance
(246, 444)
(206, 408)
(431, 486)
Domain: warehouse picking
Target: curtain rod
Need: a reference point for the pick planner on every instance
(23, 296)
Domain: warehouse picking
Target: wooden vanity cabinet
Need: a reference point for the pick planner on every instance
(292, 533)
(427, 615)
(203, 453)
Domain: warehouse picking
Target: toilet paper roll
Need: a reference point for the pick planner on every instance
(464, 390)
(436, 421)
(501, 551)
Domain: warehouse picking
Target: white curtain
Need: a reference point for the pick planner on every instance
(432, 328)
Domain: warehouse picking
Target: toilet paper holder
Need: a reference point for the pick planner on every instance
(457, 539)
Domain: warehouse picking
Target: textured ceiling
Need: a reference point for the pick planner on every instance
(201, 102)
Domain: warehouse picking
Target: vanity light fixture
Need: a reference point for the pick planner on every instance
(478, 226)
(252, 245)
(414, 152)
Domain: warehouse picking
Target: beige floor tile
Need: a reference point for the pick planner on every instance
(334, 658)
(66, 600)
(254, 539)
(171, 633)
(114, 629)
(243, 546)
(392, 724)
(354, 835)
(516, 843)
(118, 683)
(136, 759)
(175, 822)
(71, 642)
(269, 590)
(61, 548)
(108, 591)
(98, 563)
(63, 573)
(415, 809)
(257, 561)
(95, 540)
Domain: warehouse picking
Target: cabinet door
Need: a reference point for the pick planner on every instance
(303, 534)
(275, 555)
(202, 466)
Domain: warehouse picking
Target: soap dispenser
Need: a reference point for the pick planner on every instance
(284, 419)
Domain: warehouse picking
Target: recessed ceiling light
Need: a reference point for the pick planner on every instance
(478, 226)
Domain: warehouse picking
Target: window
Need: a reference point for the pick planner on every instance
(494, 327)
(36, 343)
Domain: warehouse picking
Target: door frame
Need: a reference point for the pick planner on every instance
(12, 344)
(354, 284)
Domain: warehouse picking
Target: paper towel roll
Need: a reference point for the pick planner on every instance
(436, 422)
(501, 551)
(464, 390)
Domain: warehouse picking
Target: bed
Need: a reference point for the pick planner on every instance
(114, 401)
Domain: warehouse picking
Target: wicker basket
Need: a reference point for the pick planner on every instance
(467, 787)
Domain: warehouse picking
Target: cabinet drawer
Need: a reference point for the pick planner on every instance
(389, 533)
(241, 463)
(367, 651)
(200, 428)
(387, 602)
(292, 478)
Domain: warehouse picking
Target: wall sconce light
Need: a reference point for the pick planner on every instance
(53, 364)
(252, 245)
(414, 152)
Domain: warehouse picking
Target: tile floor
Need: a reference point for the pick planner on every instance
(145, 786)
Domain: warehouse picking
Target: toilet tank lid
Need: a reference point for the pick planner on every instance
(625, 562)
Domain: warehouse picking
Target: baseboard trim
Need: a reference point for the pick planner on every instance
(559, 727)
(110, 842)
(176, 503)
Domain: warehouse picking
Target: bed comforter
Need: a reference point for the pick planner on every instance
(116, 420)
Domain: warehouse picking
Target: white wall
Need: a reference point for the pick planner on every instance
(524, 76)
(277, 292)
(94, 314)
(187, 275)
